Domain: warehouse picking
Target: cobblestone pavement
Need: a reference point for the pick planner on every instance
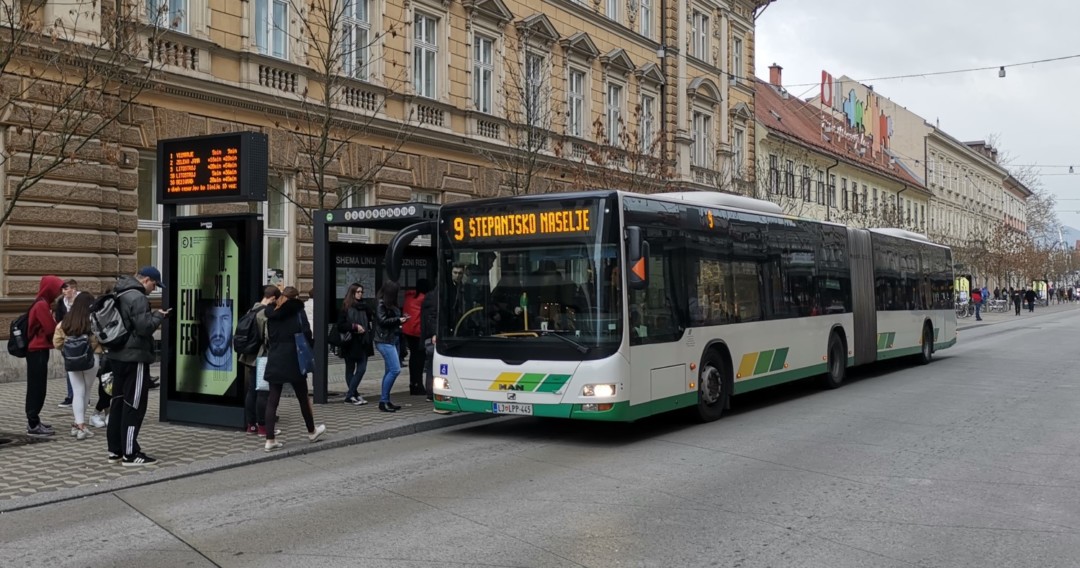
(995, 317)
(32, 466)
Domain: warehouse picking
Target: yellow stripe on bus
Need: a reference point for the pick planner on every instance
(746, 366)
(506, 379)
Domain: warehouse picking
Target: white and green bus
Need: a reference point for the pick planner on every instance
(615, 306)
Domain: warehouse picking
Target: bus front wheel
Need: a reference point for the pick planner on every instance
(836, 362)
(926, 353)
(712, 388)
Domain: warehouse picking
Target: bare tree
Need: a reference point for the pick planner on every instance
(67, 81)
(530, 109)
(332, 122)
(633, 161)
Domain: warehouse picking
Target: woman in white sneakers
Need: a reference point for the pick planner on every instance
(284, 320)
(79, 349)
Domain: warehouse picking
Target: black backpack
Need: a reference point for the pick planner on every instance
(78, 353)
(18, 336)
(248, 337)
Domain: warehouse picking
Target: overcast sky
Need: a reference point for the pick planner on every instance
(1034, 111)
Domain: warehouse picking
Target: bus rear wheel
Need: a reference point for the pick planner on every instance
(713, 392)
(836, 362)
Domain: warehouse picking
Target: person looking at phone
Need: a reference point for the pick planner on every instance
(388, 320)
(131, 366)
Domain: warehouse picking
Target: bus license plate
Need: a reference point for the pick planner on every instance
(512, 408)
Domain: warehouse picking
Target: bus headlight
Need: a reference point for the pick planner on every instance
(602, 390)
(441, 383)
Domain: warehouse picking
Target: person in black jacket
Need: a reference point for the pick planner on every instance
(130, 366)
(388, 320)
(429, 325)
(284, 320)
(354, 319)
(1029, 297)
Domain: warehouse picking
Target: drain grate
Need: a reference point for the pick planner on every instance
(12, 439)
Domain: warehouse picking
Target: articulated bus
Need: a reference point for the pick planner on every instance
(614, 306)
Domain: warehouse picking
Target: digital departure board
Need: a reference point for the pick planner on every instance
(519, 225)
(213, 169)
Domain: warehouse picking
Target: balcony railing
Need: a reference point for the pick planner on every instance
(278, 79)
(168, 52)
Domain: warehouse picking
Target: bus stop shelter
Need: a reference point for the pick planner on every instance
(405, 220)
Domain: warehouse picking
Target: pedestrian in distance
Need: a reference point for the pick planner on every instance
(130, 364)
(1015, 297)
(355, 320)
(976, 300)
(1029, 297)
(388, 321)
(60, 308)
(40, 325)
(255, 400)
(410, 332)
(74, 339)
(284, 320)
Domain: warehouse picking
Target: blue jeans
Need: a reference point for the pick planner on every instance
(978, 308)
(391, 357)
(354, 372)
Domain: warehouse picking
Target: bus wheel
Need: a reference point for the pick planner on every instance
(836, 365)
(926, 354)
(712, 392)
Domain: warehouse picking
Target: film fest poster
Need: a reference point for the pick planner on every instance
(207, 296)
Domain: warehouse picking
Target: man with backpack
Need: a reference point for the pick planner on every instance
(40, 325)
(250, 344)
(130, 357)
(976, 300)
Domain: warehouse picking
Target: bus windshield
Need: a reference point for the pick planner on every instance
(531, 295)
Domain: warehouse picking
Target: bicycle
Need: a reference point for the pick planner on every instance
(965, 309)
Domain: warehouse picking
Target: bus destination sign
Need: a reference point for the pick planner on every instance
(213, 169)
(519, 225)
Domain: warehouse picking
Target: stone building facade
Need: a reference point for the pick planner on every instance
(370, 102)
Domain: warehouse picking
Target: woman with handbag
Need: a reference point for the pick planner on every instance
(388, 320)
(354, 337)
(288, 332)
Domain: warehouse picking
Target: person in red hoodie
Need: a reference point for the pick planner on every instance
(410, 331)
(40, 326)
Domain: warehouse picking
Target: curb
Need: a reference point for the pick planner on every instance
(414, 425)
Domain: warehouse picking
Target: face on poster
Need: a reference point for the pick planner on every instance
(207, 297)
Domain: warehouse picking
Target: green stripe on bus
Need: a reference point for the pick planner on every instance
(779, 358)
(553, 383)
(892, 339)
(881, 337)
(763, 362)
(529, 381)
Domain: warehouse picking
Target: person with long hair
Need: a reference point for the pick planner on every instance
(388, 321)
(76, 325)
(354, 319)
(284, 319)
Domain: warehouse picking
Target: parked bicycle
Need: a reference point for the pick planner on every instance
(964, 309)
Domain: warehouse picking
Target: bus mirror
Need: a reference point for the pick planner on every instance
(637, 256)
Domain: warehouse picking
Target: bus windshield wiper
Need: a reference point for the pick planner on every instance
(583, 349)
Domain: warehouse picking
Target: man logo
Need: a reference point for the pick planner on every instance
(511, 396)
(505, 387)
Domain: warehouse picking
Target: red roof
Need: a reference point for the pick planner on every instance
(823, 132)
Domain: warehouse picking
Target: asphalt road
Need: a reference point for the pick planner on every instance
(971, 461)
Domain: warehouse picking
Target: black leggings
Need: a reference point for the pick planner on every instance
(300, 387)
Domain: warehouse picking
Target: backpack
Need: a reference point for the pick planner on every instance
(18, 336)
(106, 322)
(78, 353)
(248, 337)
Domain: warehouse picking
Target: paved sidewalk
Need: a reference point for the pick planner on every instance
(991, 318)
(38, 471)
